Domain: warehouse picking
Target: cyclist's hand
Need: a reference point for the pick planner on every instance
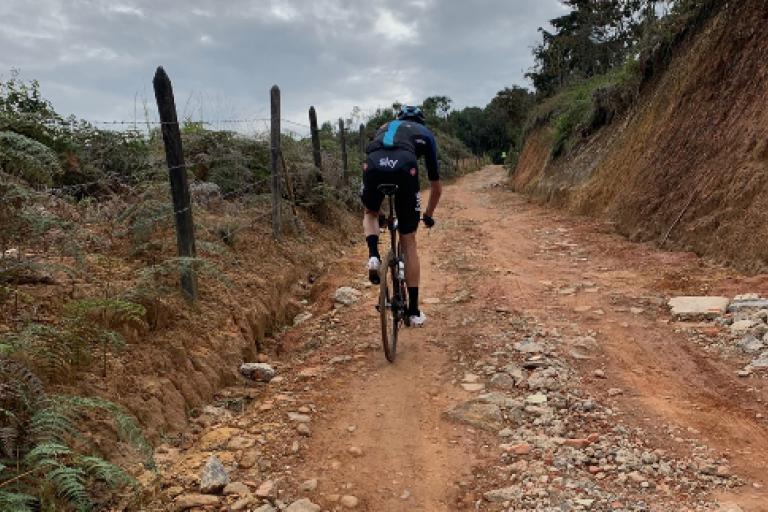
(428, 221)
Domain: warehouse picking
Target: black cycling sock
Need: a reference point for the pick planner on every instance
(413, 300)
(373, 245)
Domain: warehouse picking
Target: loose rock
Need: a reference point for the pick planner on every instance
(213, 477)
(188, 501)
(349, 501)
(266, 489)
(242, 503)
(480, 415)
(347, 295)
(298, 417)
(238, 488)
(309, 485)
(502, 381)
(501, 495)
(261, 372)
(303, 505)
(698, 307)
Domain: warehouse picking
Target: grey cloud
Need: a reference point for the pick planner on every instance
(94, 57)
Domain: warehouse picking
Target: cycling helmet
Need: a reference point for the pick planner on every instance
(411, 113)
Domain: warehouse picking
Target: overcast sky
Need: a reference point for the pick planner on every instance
(96, 59)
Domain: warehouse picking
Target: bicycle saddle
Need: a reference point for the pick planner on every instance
(387, 189)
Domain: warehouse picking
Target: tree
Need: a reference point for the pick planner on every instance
(437, 107)
(496, 128)
(594, 37)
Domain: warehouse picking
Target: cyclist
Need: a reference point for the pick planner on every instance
(392, 157)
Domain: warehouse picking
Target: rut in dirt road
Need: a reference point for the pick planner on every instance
(550, 377)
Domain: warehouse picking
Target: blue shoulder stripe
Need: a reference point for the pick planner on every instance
(389, 137)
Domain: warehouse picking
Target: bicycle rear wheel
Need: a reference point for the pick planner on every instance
(389, 307)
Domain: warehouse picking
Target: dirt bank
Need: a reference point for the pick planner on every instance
(688, 164)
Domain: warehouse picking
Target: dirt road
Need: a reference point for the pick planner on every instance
(598, 399)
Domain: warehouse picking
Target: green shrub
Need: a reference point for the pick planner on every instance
(237, 164)
(582, 108)
(27, 159)
(323, 203)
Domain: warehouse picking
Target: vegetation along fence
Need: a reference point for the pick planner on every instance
(117, 178)
(281, 179)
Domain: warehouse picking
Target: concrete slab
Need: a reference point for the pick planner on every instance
(698, 307)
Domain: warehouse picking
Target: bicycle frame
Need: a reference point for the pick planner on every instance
(399, 304)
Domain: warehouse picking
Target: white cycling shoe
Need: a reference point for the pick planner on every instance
(374, 264)
(417, 320)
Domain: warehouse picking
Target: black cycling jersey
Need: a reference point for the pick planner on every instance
(409, 136)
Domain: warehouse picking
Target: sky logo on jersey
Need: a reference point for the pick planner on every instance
(388, 162)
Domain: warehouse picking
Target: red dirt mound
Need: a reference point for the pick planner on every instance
(688, 165)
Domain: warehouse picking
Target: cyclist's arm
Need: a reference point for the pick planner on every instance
(429, 151)
(435, 191)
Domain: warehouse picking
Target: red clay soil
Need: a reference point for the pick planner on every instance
(494, 258)
(184, 354)
(691, 158)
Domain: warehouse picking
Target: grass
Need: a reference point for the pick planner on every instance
(585, 106)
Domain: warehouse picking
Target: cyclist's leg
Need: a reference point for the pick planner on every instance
(408, 206)
(371, 198)
(412, 268)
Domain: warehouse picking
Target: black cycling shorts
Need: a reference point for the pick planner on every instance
(399, 167)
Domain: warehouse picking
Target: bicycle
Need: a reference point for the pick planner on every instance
(393, 293)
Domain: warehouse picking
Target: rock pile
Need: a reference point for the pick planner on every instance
(744, 328)
(561, 450)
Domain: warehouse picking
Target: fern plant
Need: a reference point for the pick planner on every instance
(42, 460)
(57, 350)
(150, 213)
(26, 220)
(161, 277)
(93, 320)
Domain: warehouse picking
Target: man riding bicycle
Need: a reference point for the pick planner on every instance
(392, 157)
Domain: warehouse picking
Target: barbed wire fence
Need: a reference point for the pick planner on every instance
(280, 179)
(280, 182)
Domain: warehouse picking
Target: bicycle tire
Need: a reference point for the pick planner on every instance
(387, 307)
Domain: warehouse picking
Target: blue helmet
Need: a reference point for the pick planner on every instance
(411, 113)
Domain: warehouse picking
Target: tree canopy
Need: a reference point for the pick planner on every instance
(592, 38)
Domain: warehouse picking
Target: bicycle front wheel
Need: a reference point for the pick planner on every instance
(388, 307)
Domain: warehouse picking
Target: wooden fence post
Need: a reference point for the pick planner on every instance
(362, 142)
(344, 176)
(315, 144)
(177, 175)
(274, 146)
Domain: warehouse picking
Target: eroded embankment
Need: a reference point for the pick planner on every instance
(185, 354)
(687, 165)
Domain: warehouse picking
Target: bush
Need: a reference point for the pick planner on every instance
(237, 164)
(27, 159)
(584, 107)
